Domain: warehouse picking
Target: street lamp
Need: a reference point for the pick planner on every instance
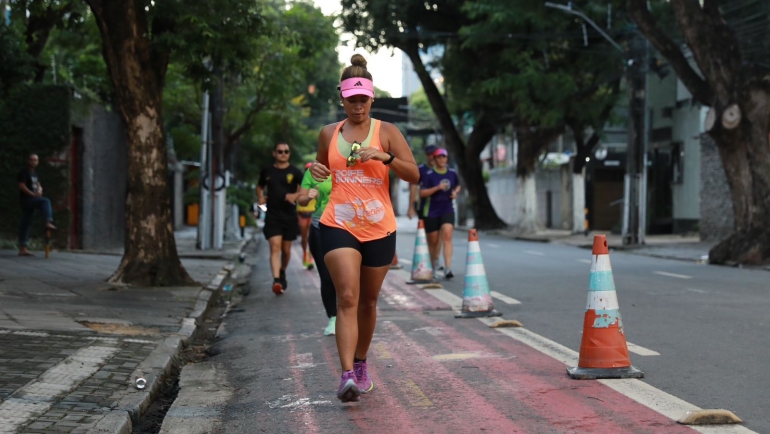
(568, 9)
(634, 226)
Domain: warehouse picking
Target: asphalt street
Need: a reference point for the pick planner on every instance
(706, 327)
(695, 330)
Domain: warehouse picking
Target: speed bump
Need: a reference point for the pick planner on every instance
(709, 417)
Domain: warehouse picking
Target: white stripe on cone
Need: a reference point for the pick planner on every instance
(600, 263)
(474, 247)
(475, 270)
(602, 300)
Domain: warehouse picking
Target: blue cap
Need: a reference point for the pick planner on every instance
(430, 149)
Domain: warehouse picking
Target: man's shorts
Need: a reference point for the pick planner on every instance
(433, 224)
(285, 226)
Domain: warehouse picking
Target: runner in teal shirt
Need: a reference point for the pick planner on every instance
(320, 191)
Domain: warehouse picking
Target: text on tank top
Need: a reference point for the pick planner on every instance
(360, 198)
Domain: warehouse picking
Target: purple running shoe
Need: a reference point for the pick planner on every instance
(348, 390)
(365, 384)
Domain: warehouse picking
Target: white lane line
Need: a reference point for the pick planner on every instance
(636, 349)
(37, 397)
(504, 298)
(404, 261)
(678, 276)
(585, 261)
(534, 252)
(492, 245)
(655, 399)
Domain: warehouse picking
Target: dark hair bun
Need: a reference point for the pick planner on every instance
(358, 60)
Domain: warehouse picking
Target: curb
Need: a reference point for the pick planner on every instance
(160, 362)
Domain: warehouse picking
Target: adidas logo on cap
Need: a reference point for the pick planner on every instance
(358, 83)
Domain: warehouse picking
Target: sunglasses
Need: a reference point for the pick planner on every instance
(282, 151)
(352, 157)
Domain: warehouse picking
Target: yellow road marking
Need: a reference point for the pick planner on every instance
(455, 356)
(415, 396)
(381, 352)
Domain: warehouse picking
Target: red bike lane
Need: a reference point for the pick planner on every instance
(434, 373)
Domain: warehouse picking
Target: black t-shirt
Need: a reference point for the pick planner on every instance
(29, 178)
(279, 183)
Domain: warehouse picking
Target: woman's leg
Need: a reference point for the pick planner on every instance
(304, 230)
(434, 249)
(345, 268)
(446, 237)
(371, 282)
(328, 294)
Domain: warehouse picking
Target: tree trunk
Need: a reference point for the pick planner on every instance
(745, 155)
(467, 157)
(137, 71)
(725, 81)
(578, 203)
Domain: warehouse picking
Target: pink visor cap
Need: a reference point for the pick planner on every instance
(357, 86)
(440, 151)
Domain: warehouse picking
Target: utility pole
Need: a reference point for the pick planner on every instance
(634, 225)
(635, 183)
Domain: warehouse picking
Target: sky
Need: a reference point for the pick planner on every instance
(385, 69)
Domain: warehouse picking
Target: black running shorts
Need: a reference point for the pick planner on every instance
(375, 253)
(433, 224)
(285, 226)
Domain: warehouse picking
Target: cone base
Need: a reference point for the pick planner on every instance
(481, 314)
(579, 373)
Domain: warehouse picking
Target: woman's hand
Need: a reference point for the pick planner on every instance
(367, 154)
(312, 193)
(319, 172)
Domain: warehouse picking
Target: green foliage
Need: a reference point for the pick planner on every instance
(35, 119)
(15, 63)
(283, 89)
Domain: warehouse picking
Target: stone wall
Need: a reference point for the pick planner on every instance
(716, 209)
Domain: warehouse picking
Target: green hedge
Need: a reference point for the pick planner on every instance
(35, 119)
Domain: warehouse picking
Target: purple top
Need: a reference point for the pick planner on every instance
(440, 202)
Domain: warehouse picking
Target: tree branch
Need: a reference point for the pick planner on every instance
(435, 98)
(697, 86)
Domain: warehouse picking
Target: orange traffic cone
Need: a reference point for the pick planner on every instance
(422, 269)
(477, 300)
(603, 349)
(394, 265)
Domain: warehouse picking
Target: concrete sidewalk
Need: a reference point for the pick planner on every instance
(71, 344)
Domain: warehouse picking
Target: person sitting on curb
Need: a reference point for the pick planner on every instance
(31, 198)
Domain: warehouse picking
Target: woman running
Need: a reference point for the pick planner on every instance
(358, 227)
(318, 192)
(305, 213)
(440, 186)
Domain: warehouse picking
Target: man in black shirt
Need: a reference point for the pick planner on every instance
(30, 199)
(282, 182)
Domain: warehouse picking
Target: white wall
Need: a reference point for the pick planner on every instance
(687, 126)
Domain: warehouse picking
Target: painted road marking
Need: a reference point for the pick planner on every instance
(504, 298)
(404, 261)
(381, 352)
(678, 276)
(492, 245)
(641, 392)
(636, 349)
(456, 356)
(534, 252)
(415, 396)
(37, 397)
(585, 261)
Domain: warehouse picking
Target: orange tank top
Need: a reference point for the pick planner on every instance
(360, 197)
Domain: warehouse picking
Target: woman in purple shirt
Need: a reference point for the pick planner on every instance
(439, 187)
